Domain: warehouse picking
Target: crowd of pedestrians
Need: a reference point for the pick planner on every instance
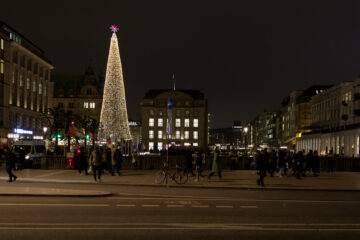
(286, 163)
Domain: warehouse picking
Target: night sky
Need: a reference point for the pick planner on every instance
(246, 56)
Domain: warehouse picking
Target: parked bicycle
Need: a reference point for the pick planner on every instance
(174, 173)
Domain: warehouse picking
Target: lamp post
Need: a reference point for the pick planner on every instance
(246, 129)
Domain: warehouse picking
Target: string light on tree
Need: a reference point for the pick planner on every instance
(114, 117)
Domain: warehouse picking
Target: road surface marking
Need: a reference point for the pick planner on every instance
(160, 195)
(175, 206)
(150, 205)
(53, 205)
(52, 174)
(238, 200)
(125, 205)
(224, 206)
(200, 206)
(249, 207)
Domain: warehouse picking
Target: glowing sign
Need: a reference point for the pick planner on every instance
(114, 28)
(23, 131)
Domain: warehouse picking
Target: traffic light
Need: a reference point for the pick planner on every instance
(87, 137)
(58, 135)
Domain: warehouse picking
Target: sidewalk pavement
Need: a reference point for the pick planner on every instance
(241, 179)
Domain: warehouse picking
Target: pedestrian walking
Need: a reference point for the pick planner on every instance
(272, 163)
(281, 163)
(10, 159)
(134, 158)
(188, 164)
(262, 167)
(198, 165)
(309, 163)
(96, 161)
(115, 161)
(299, 162)
(216, 164)
(316, 164)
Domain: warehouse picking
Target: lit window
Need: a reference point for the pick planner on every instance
(196, 135)
(187, 122)
(71, 105)
(21, 81)
(45, 91)
(151, 134)
(186, 135)
(160, 134)
(2, 44)
(196, 122)
(34, 86)
(187, 144)
(151, 145)
(151, 122)
(2, 66)
(27, 83)
(195, 144)
(92, 105)
(177, 134)
(86, 105)
(160, 122)
(160, 146)
(178, 122)
(40, 88)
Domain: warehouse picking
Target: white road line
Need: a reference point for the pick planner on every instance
(158, 195)
(150, 205)
(200, 206)
(224, 206)
(125, 205)
(249, 207)
(53, 205)
(175, 206)
(52, 174)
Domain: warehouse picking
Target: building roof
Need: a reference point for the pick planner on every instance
(25, 42)
(196, 94)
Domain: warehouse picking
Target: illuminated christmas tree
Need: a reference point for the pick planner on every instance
(114, 117)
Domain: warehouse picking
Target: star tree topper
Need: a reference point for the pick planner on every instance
(114, 28)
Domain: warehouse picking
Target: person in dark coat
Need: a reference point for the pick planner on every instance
(188, 166)
(309, 163)
(299, 162)
(281, 163)
(10, 164)
(262, 166)
(316, 164)
(82, 162)
(116, 161)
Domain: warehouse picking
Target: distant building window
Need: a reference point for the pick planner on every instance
(89, 91)
(151, 134)
(177, 122)
(187, 144)
(160, 134)
(195, 144)
(160, 122)
(160, 146)
(2, 44)
(45, 92)
(196, 135)
(71, 105)
(151, 145)
(92, 105)
(21, 81)
(40, 88)
(2, 66)
(60, 105)
(196, 123)
(160, 113)
(187, 112)
(151, 112)
(86, 105)
(177, 134)
(151, 122)
(187, 122)
(27, 83)
(186, 134)
(34, 86)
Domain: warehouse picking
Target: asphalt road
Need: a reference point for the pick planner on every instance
(179, 213)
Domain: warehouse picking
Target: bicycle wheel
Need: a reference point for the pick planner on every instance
(180, 177)
(159, 176)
